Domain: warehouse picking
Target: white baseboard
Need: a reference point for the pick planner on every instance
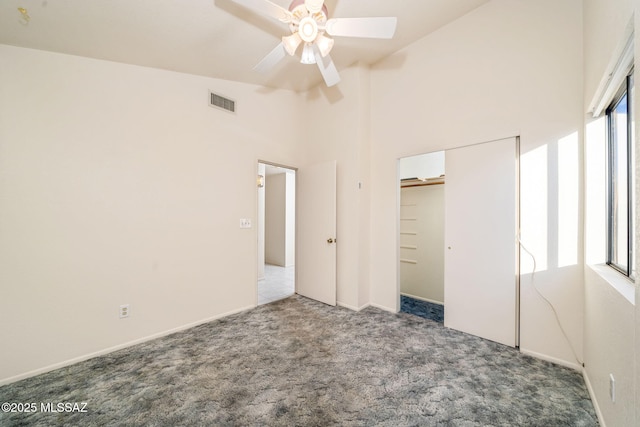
(561, 362)
(351, 307)
(592, 394)
(422, 299)
(102, 352)
(382, 307)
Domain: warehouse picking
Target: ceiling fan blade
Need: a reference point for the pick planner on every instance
(265, 7)
(327, 68)
(376, 28)
(269, 61)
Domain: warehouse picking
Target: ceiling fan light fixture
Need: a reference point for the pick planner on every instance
(291, 43)
(308, 29)
(308, 56)
(325, 44)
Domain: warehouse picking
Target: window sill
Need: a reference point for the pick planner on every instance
(623, 285)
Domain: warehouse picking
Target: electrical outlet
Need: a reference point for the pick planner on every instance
(124, 311)
(245, 223)
(612, 388)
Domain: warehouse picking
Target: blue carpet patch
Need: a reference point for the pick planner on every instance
(427, 310)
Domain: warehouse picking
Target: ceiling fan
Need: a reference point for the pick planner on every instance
(311, 28)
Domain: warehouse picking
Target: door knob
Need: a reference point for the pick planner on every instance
(330, 240)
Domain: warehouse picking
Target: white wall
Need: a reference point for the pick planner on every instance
(507, 68)
(121, 185)
(611, 316)
(275, 219)
(280, 219)
(290, 220)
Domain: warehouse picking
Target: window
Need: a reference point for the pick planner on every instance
(621, 180)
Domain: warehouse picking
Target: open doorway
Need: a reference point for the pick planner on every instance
(422, 181)
(276, 232)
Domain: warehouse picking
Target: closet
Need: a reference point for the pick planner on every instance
(465, 250)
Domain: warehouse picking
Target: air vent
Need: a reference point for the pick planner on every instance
(222, 102)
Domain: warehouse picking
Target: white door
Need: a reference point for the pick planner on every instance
(480, 240)
(316, 232)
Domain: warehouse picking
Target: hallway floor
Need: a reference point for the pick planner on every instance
(278, 283)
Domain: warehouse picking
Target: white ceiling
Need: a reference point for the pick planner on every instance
(214, 38)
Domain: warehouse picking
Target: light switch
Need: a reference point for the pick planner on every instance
(245, 223)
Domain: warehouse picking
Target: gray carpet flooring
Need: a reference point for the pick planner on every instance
(299, 362)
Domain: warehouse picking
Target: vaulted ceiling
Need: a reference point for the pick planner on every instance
(214, 38)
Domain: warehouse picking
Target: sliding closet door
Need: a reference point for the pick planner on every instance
(480, 240)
